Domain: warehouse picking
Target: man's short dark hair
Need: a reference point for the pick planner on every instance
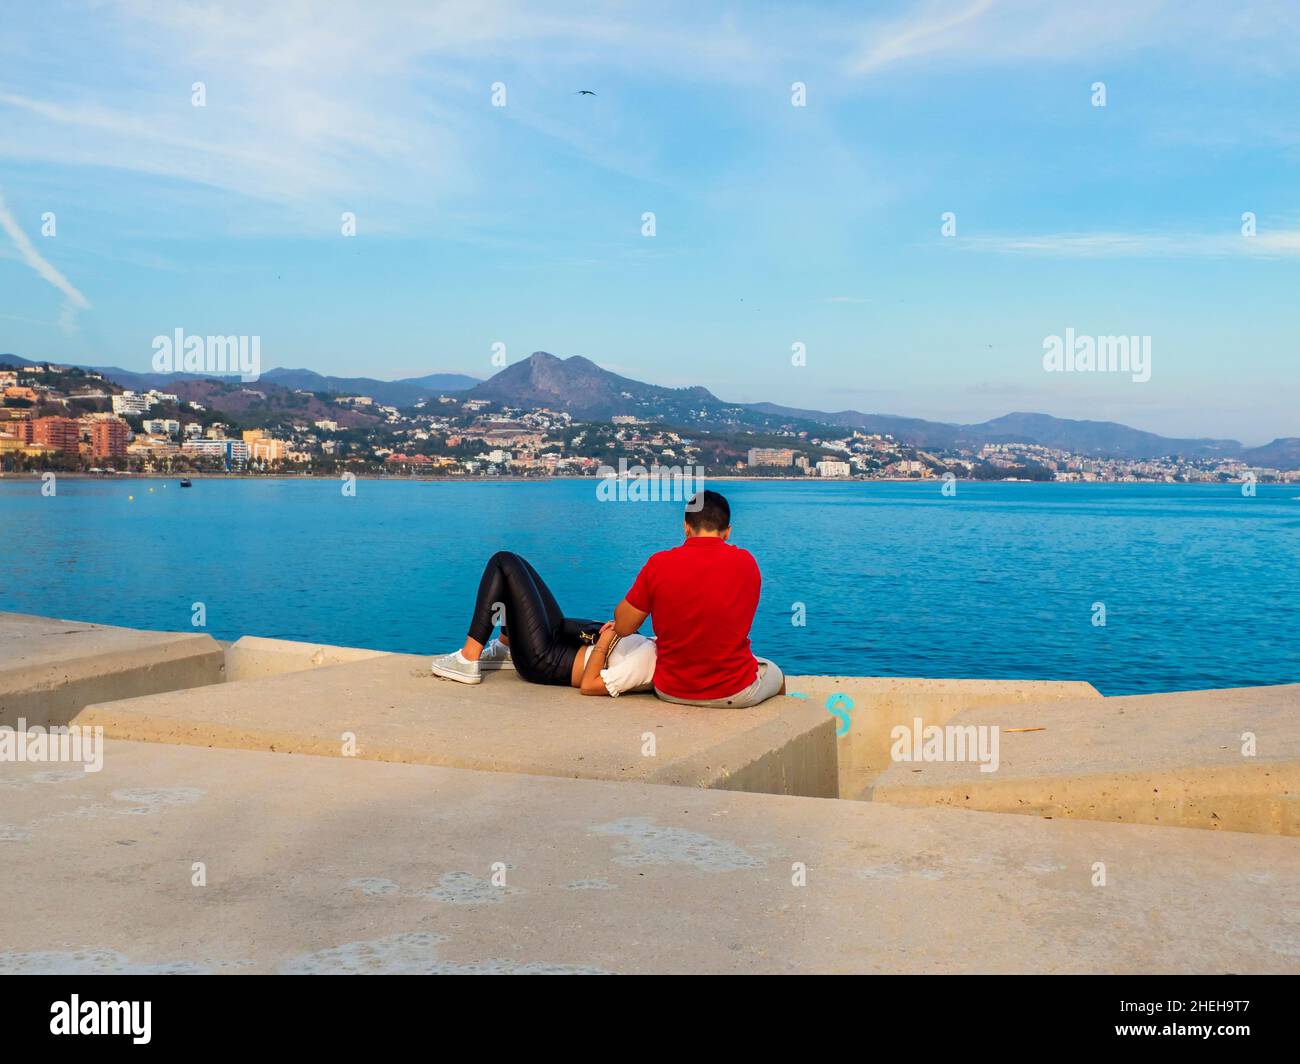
(711, 514)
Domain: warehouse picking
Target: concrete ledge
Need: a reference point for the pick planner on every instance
(255, 658)
(50, 669)
(325, 865)
(398, 711)
(881, 702)
(1172, 759)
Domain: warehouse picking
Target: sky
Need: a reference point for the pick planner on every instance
(942, 196)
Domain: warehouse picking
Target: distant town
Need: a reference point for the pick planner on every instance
(70, 419)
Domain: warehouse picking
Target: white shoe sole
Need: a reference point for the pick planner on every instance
(459, 677)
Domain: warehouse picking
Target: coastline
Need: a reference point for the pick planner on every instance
(464, 479)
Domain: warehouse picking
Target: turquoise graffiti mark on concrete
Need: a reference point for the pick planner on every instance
(840, 706)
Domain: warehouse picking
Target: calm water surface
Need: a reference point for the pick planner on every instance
(1201, 585)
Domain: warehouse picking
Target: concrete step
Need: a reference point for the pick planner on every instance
(254, 658)
(1181, 759)
(322, 864)
(395, 710)
(50, 669)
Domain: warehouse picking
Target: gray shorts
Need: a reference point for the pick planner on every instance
(766, 684)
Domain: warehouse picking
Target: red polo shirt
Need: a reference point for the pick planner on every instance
(702, 597)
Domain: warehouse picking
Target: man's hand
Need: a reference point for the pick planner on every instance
(627, 618)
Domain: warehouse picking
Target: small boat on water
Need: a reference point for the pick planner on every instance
(186, 482)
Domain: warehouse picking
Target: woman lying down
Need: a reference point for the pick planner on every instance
(540, 643)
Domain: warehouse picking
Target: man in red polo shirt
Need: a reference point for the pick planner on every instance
(702, 596)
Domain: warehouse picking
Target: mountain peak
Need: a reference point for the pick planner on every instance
(582, 388)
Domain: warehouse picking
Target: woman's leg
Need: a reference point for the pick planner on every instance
(548, 600)
(535, 622)
(570, 627)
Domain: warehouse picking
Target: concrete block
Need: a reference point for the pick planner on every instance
(1174, 759)
(255, 658)
(51, 669)
(329, 865)
(398, 711)
(881, 702)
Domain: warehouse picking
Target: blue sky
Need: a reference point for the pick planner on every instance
(775, 224)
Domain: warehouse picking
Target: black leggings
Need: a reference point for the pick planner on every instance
(543, 642)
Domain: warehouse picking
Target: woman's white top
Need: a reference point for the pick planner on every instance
(630, 668)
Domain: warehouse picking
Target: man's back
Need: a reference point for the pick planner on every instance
(702, 597)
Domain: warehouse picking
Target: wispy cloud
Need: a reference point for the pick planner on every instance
(317, 108)
(1277, 244)
(73, 299)
(935, 29)
(995, 31)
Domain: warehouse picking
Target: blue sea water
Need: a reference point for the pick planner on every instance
(1201, 585)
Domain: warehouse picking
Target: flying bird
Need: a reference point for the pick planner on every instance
(584, 92)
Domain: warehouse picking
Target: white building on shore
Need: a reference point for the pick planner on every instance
(830, 468)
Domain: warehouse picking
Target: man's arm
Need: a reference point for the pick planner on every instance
(627, 618)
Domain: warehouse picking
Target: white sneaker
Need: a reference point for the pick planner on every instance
(454, 667)
(496, 655)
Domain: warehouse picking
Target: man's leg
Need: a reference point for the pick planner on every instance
(769, 681)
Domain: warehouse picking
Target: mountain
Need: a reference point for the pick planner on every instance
(254, 405)
(1099, 439)
(124, 378)
(1282, 453)
(443, 383)
(260, 404)
(580, 387)
(912, 430)
(404, 392)
(583, 389)
(1096, 438)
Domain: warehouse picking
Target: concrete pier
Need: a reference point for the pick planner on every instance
(333, 809)
(314, 864)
